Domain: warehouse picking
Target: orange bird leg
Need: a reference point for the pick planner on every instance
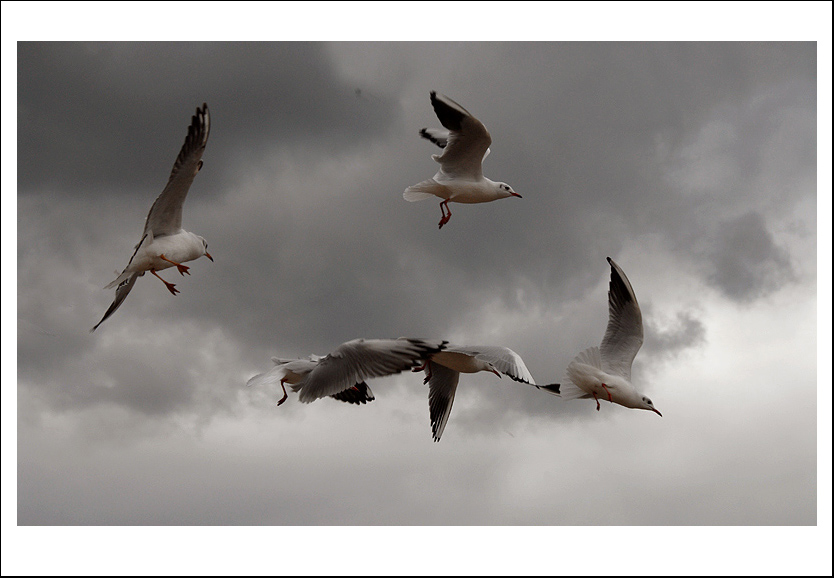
(180, 267)
(608, 392)
(422, 367)
(596, 400)
(428, 372)
(283, 399)
(170, 286)
(445, 218)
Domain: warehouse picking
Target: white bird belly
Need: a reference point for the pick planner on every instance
(590, 379)
(458, 361)
(463, 191)
(178, 248)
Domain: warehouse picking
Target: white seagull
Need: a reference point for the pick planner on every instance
(605, 371)
(164, 242)
(465, 145)
(341, 374)
(443, 370)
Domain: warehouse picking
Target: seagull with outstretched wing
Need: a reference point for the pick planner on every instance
(604, 372)
(341, 374)
(465, 144)
(164, 242)
(443, 371)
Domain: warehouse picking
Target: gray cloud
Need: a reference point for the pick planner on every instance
(746, 262)
(687, 331)
(130, 103)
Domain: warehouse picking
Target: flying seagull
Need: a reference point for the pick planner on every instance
(164, 242)
(443, 370)
(465, 145)
(341, 374)
(604, 372)
(294, 370)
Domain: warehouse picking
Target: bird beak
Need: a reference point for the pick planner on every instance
(209, 256)
(516, 195)
(657, 412)
(496, 373)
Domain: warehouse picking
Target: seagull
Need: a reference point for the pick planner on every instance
(164, 242)
(605, 371)
(293, 370)
(443, 370)
(465, 145)
(341, 374)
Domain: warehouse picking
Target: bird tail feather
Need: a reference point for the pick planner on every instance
(420, 191)
(270, 377)
(590, 356)
(115, 282)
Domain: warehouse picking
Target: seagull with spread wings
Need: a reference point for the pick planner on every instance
(341, 374)
(604, 372)
(164, 242)
(443, 371)
(465, 145)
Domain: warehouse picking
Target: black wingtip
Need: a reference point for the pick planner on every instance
(450, 114)
(357, 394)
(436, 139)
(552, 388)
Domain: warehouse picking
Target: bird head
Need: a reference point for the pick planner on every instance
(205, 249)
(646, 403)
(505, 190)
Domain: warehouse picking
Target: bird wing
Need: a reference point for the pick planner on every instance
(146, 239)
(624, 334)
(121, 294)
(355, 361)
(437, 136)
(165, 216)
(441, 137)
(442, 386)
(467, 143)
(502, 358)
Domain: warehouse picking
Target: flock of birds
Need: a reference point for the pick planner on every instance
(602, 372)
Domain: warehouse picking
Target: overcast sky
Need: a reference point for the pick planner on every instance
(692, 165)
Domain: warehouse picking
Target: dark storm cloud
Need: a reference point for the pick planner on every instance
(746, 262)
(595, 167)
(346, 241)
(130, 104)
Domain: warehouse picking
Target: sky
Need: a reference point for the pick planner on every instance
(692, 164)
